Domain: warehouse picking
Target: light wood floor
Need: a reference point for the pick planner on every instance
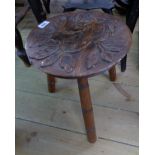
(52, 124)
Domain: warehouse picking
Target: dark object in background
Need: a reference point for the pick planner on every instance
(122, 6)
(105, 5)
(21, 53)
(47, 5)
(37, 10)
(132, 14)
(40, 15)
(131, 19)
(20, 48)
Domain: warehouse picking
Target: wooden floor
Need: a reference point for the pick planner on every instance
(52, 124)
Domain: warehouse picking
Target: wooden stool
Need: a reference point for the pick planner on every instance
(85, 44)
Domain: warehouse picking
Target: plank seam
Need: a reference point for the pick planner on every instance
(97, 105)
(76, 132)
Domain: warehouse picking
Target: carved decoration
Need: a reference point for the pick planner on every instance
(76, 43)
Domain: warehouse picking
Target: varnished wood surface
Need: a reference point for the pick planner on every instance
(87, 109)
(84, 44)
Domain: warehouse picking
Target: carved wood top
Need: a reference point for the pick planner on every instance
(78, 44)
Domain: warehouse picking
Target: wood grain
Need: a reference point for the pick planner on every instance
(83, 45)
(87, 109)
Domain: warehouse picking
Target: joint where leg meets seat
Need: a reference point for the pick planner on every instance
(112, 73)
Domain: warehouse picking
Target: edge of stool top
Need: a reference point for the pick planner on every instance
(78, 44)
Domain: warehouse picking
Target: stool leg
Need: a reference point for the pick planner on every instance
(51, 83)
(87, 109)
(112, 73)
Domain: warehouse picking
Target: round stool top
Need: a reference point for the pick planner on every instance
(78, 44)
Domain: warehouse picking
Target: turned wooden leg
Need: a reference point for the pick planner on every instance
(51, 83)
(112, 73)
(87, 109)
